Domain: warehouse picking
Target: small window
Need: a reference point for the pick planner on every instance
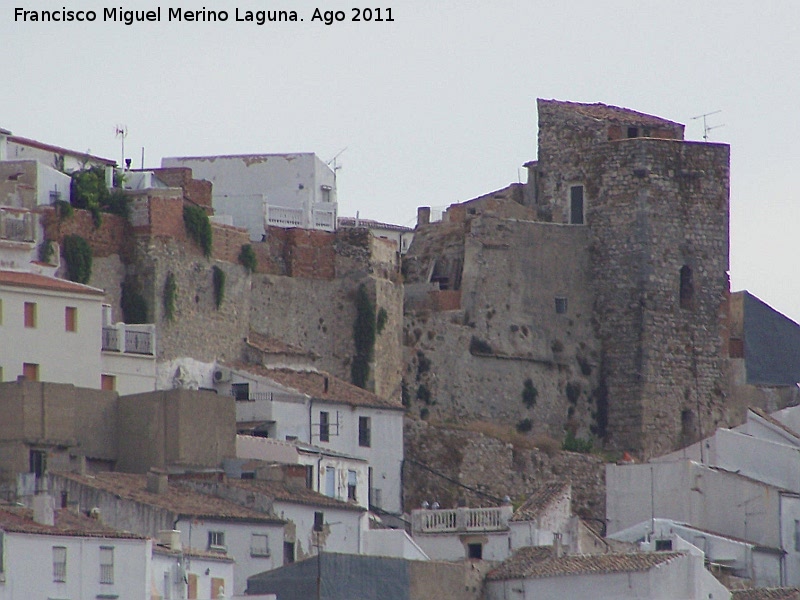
(633, 132)
(30, 315)
(330, 482)
(326, 193)
(310, 477)
(259, 544)
(324, 426)
(686, 287)
(106, 564)
(216, 541)
(663, 545)
(240, 391)
(576, 205)
(561, 305)
(319, 521)
(736, 348)
(288, 553)
(351, 485)
(364, 432)
(37, 462)
(475, 551)
(108, 383)
(71, 318)
(59, 564)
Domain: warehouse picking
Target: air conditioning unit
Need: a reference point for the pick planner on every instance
(221, 374)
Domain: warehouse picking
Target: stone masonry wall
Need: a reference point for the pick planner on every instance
(493, 467)
(655, 207)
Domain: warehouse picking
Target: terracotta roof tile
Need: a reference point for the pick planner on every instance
(179, 499)
(67, 523)
(607, 112)
(313, 384)
(767, 594)
(34, 280)
(540, 500)
(536, 562)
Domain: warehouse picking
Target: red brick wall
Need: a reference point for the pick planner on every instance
(112, 237)
(445, 300)
(197, 191)
(227, 242)
(310, 254)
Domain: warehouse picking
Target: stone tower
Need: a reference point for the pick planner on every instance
(656, 207)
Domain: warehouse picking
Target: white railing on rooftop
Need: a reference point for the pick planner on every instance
(284, 217)
(130, 339)
(460, 519)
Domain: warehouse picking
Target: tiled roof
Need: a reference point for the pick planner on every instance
(179, 499)
(535, 562)
(369, 223)
(313, 384)
(607, 112)
(34, 280)
(273, 346)
(539, 501)
(67, 523)
(296, 495)
(767, 594)
(58, 149)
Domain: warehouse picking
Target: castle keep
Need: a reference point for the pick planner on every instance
(591, 299)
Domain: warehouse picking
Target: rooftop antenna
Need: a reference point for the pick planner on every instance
(121, 132)
(706, 128)
(333, 163)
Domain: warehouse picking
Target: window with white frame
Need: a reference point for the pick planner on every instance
(351, 486)
(106, 564)
(59, 564)
(216, 541)
(259, 544)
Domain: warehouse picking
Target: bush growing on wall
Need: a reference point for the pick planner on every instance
(88, 191)
(363, 337)
(198, 227)
(134, 306)
(170, 294)
(247, 258)
(219, 285)
(78, 256)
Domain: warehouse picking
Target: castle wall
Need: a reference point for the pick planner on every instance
(660, 207)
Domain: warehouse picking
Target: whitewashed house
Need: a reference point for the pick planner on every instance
(14, 147)
(150, 504)
(54, 321)
(268, 190)
(322, 410)
(399, 235)
(542, 572)
(493, 533)
(61, 554)
(182, 572)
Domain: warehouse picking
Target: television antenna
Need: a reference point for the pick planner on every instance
(121, 132)
(333, 163)
(706, 127)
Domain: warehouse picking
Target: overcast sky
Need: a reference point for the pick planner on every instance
(436, 107)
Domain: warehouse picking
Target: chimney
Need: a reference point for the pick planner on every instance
(423, 215)
(171, 539)
(44, 509)
(157, 481)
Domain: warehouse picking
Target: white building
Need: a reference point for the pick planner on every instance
(541, 572)
(14, 147)
(261, 190)
(67, 555)
(399, 235)
(56, 322)
(182, 572)
(315, 459)
(322, 410)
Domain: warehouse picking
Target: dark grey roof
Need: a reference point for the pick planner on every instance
(771, 344)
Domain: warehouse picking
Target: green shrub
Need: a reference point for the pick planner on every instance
(525, 425)
(78, 256)
(479, 347)
(529, 393)
(247, 258)
(219, 285)
(383, 316)
(576, 444)
(134, 306)
(64, 209)
(198, 227)
(46, 252)
(169, 296)
(424, 394)
(363, 337)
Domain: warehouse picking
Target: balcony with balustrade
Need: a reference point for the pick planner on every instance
(129, 339)
(461, 520)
